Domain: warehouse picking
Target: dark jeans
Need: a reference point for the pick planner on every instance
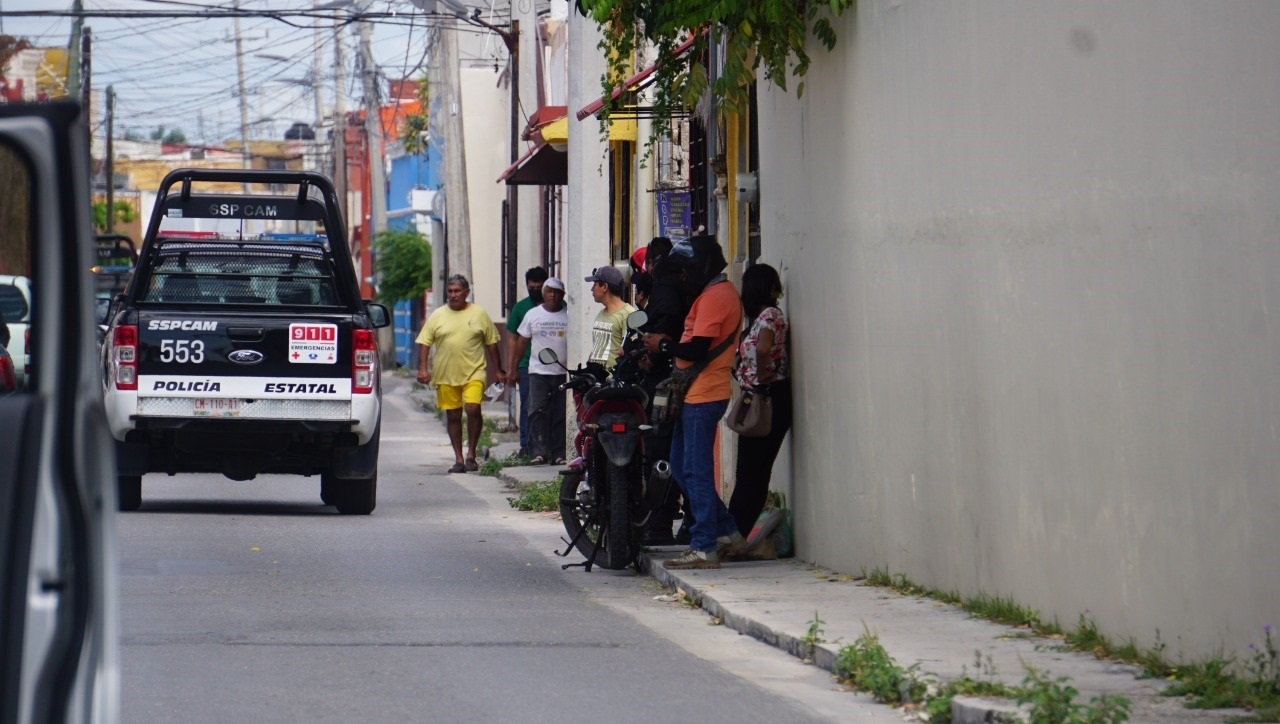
(693, 465)
(546, 416)
(755, 461)
(523, 373)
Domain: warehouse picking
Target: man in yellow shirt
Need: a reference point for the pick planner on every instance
(463, 335)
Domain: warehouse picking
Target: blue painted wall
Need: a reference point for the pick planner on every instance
(407, 173)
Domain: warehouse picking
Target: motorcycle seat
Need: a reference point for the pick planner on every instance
(619, 393)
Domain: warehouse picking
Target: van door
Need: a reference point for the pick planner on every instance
(58, 653)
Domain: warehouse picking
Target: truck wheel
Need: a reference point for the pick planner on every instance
(351, 496)
(129, 491)
(327, 490)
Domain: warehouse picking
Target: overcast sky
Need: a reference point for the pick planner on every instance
(181, 73)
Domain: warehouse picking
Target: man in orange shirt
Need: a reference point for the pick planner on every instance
(716, 316)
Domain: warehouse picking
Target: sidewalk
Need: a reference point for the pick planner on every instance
(776, 602)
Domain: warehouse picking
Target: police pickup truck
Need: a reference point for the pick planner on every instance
(241, 345)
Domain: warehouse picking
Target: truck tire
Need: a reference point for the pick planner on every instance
(129, 491)
(351, 496)
(327, 490)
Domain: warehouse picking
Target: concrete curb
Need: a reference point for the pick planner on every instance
(964, 709)
(822, 656)
(974, 710)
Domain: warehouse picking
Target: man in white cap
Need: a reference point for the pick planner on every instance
(544, 327)
(610, 326)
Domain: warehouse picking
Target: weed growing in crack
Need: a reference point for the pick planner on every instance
(1053, 702)
(813, 637)
(866, 666)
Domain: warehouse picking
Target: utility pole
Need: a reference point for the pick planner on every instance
(86, 63)
(110, 161)
(373, 132)
(377, 173)
(317, 63)
(340, 121)
(435, 131)
(244, 107)
(73, 50)
(455, 160)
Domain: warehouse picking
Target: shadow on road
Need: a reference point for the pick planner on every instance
(235, 507)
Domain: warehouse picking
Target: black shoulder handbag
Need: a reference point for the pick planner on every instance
(668, 395)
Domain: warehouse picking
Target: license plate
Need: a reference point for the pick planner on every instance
(212, 407)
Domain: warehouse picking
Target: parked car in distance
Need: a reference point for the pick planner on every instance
(8, 382)
(15, 312)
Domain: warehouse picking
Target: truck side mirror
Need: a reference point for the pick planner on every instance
(378, 314)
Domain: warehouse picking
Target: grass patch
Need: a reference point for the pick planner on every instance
(538, 497)
(1217, 682)
(1002, 610)
(866, 666)
(493, 466)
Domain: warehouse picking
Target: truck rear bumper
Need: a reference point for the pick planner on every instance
(241, 449)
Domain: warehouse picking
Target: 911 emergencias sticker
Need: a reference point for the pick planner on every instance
(313, 343)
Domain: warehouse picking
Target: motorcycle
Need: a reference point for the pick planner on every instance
(605, 495)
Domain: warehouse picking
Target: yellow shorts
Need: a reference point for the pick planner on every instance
(451, 397)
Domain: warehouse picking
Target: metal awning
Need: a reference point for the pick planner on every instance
(546, 163)
(542, 165)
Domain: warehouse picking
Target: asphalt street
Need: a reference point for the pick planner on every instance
(252, 601)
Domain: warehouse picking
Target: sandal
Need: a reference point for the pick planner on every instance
(472, 465)
(558, 461)
(538, 460)
(458, 468)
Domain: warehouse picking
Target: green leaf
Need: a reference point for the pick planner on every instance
(758, 34)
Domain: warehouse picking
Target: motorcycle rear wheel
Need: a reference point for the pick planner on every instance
(621, 533)
(579, 500)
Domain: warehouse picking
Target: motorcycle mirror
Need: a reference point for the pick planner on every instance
(637, 319)
(547, 356)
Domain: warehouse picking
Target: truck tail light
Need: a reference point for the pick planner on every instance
(364, 361)
(124, 356)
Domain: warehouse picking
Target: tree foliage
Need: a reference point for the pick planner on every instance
(403, 264)
(412, 134)
(171, 135)
(124, 214)
(753, 34)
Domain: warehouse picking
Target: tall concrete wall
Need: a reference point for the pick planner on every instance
(1031, 251)
(486, 108)
(587, 225)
